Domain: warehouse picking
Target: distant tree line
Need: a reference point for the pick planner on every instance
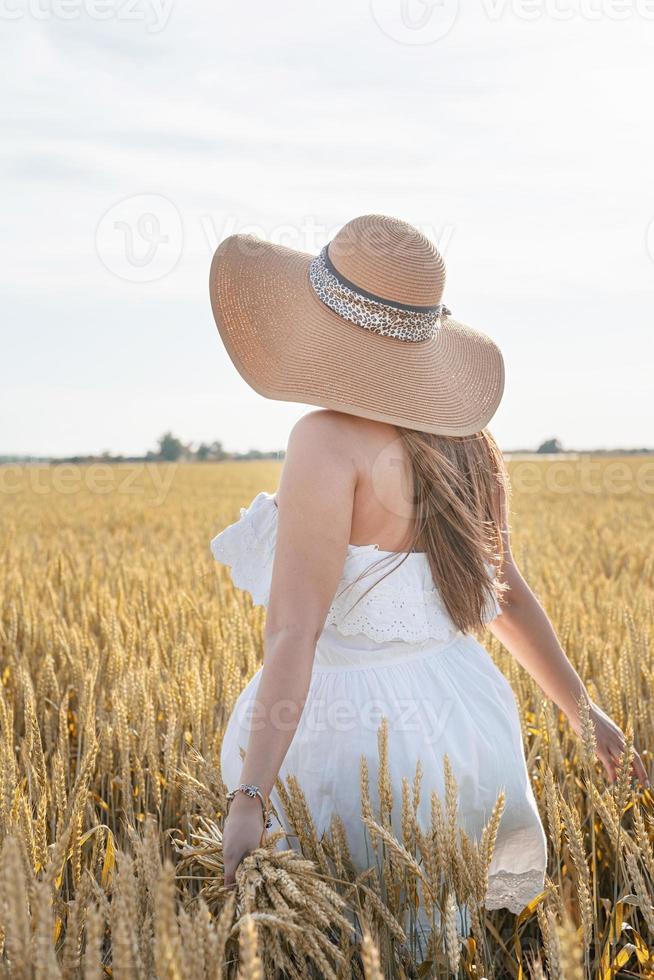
(171, 449)
(554, 446)
(550, 446)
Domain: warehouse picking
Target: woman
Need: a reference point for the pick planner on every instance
(385, 546)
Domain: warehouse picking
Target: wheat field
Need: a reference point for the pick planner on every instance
(124, 647)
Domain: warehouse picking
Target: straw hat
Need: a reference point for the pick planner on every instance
(359, 328)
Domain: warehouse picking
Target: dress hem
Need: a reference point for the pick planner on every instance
(514, 890)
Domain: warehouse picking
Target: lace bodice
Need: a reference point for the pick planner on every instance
(404, 606)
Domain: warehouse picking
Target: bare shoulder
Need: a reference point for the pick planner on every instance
(346, 437)
(325, 489)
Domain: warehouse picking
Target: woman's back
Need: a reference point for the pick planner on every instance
(383, 510)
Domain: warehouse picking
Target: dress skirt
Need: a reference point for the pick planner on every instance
(438, 700)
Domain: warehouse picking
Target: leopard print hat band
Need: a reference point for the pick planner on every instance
(400, 320)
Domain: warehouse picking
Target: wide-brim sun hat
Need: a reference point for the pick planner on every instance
(359, 328)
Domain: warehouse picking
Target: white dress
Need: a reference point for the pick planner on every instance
(396, 654)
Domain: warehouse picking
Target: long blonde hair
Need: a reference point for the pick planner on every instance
(458, 487)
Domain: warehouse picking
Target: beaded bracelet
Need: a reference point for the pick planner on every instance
(252, 791)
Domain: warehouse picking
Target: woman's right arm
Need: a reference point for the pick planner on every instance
(527, 633)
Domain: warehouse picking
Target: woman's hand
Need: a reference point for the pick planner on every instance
(242, 833)
(611, 743)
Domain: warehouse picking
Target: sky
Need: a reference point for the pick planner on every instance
(137, 134)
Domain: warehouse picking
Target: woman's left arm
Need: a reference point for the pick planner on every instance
(315, 499)
(526, 631)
